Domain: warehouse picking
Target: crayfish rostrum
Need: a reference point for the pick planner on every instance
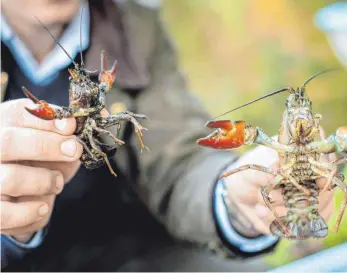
(300, 145)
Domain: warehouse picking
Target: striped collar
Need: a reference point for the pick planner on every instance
(45, 72)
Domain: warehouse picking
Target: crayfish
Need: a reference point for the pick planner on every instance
(86, 100)
(299, 145)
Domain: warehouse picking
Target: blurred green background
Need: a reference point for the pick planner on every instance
(233, 51)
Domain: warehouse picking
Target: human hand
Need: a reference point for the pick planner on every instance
(251, 216)
(37, 158)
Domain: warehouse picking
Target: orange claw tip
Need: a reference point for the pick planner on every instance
(44, 112)
(206, 142)
(220, 143)
(224, 124)
(107, 78)
(231, 136)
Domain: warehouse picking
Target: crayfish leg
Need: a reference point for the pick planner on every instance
(142, 143)
(103, 131)
(130, 117)
(265, 191)
(104, 155)
(343, 187)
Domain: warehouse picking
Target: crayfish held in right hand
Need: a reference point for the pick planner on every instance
(86, 100)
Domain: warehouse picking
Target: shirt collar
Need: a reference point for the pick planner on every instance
(46, 72)
(332, 18)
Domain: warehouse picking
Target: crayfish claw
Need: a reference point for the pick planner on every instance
(42, 109)
(227, 125)
(229, 134)
(107, 77)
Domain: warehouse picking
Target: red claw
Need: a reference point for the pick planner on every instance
(42, 109)
(223, 124)
(229, 135)
(107, 76)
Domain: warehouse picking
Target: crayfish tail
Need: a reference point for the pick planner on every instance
(301, 228)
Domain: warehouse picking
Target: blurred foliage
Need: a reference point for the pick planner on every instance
(234, 51)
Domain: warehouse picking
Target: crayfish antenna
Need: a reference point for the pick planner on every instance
(30, 95)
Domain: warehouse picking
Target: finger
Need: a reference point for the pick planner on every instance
(19, 180)
(104, 113)
(6, 198)
(28, 144)
(321, 182)
(34, 227)
(251, 214)
(246, 185)
(13, 114)
(244, 192)
(322, 133)
(327, 211)
(14, 215)
(267, 216)
(326, 201)
(275, 196)
(68, 169)
(332, 157)
(260, 155)
(29, 229)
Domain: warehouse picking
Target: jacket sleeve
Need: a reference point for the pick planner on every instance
(12, 250)
(178, 178)
(177, 174)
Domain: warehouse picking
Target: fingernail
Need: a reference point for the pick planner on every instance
(69, 147)
(61, 124)
(261, 211)
(59, 182)
(43, 210)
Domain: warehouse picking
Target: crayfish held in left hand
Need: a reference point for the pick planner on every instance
(86, 100)
(300, 145)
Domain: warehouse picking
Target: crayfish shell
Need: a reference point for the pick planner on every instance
(301, 229)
